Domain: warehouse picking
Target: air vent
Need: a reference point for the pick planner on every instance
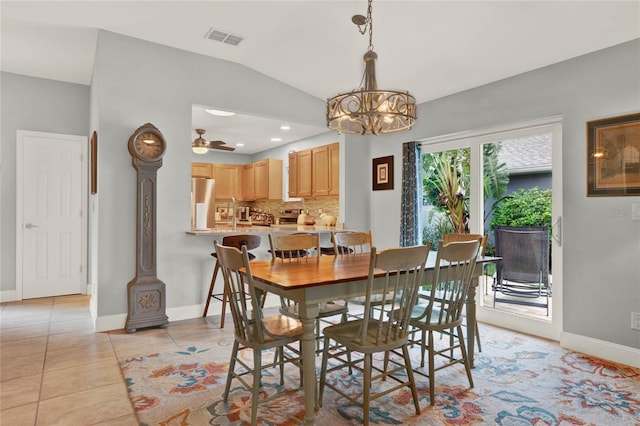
(223, 37)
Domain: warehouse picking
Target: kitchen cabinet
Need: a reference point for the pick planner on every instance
(201, 170)
(262, 180)
(300, 166)
(334, 169)
(228, 180)
(326, 170)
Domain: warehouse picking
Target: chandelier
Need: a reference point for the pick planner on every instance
(369, 110)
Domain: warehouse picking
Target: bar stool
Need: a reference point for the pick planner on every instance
(237, 241)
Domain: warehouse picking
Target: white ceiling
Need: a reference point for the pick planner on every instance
(431, 48)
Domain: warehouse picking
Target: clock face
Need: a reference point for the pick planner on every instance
(149, 146)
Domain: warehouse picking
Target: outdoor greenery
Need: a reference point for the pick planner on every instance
(524, 208)
(446, 177)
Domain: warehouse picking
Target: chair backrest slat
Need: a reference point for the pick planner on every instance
(452, 275)
(402, 270)
(294, 247)
(350, 242)
(247, 314)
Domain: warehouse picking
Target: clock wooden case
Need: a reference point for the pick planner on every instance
(146, 294)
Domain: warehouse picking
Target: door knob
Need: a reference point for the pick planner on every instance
(30, 225)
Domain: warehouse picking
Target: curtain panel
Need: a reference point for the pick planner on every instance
(411, 194)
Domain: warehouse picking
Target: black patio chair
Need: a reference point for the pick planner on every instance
(523, 272)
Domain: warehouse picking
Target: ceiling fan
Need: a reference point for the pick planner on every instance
(200, 145)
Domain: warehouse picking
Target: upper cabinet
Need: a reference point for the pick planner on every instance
(300, 174)
(315, 172)
(228, 180)
(262, 180)
(201, 170)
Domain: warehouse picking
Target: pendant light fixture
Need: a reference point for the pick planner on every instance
(369, 110)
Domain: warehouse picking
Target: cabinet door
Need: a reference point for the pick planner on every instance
(320, 171)
(304, 173)
(261, 177)
(226, 176)
(201, 170)
(248, 182)
(334, 169)
(293, 175)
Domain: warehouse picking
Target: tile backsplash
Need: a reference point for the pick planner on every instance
(328, 205)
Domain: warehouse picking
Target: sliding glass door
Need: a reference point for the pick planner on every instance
(481, 182)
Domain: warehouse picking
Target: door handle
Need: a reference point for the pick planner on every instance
(30, 225)
(556, 231)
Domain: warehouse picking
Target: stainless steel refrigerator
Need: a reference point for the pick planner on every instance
(203, 206)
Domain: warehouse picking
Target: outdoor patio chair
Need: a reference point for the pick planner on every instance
(523, 272)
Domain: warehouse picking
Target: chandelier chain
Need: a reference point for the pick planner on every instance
(370, 22)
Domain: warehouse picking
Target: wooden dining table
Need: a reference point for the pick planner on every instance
(316, 280)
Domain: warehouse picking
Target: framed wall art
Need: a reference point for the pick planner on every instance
(383, 173)
(613, 156)
(94, 162)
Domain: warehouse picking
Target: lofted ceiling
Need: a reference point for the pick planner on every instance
(431, 48)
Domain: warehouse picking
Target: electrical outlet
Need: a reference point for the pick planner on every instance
(319, 211)
(635, 320)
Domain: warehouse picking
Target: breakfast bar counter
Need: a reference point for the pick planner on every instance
(256, 229)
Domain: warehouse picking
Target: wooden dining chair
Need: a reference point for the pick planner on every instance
(288, 245)
(449, 238)
(251, 241)
(253, 331)
(381, 332)
(354, 242)
(450, 285)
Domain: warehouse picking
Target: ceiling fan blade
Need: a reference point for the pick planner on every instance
(221, 145)
(223, 148)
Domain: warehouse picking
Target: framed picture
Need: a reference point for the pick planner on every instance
(613, 156)
(94, 162)
(383, 173)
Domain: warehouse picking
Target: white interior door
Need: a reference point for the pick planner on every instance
(50, 214)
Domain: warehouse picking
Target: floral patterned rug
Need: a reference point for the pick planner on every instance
(519, 380)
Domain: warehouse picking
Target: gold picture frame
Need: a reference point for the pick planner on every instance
(383, 173)
(93, 146)
(613, 156)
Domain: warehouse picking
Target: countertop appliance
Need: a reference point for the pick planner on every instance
(289, 216)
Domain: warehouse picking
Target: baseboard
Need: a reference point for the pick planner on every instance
(8, 296)
(602, 349)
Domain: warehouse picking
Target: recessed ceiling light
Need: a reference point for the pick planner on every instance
(220, 113)
(239, 144)
(276, 139)
(285, 127)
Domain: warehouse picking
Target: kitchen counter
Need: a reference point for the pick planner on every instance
(254, 229)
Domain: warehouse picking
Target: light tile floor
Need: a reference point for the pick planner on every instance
(55, 370)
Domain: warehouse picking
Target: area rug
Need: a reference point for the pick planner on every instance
(519, 380)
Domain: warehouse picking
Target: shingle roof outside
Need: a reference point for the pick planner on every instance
(526, 155)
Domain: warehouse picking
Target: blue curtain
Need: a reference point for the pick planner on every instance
(411, 194)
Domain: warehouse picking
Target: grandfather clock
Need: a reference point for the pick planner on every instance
(146, 293)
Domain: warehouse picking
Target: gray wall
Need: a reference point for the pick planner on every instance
(601, 242)
(39, 105)
(137, 82)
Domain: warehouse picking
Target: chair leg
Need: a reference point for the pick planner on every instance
(213, 283)
(432, 381)
(225, 300)
(323, 371)
(366, 396)
(412, 380)
(465, 357)
(257, 378)
(478, 338)
(232, 365)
